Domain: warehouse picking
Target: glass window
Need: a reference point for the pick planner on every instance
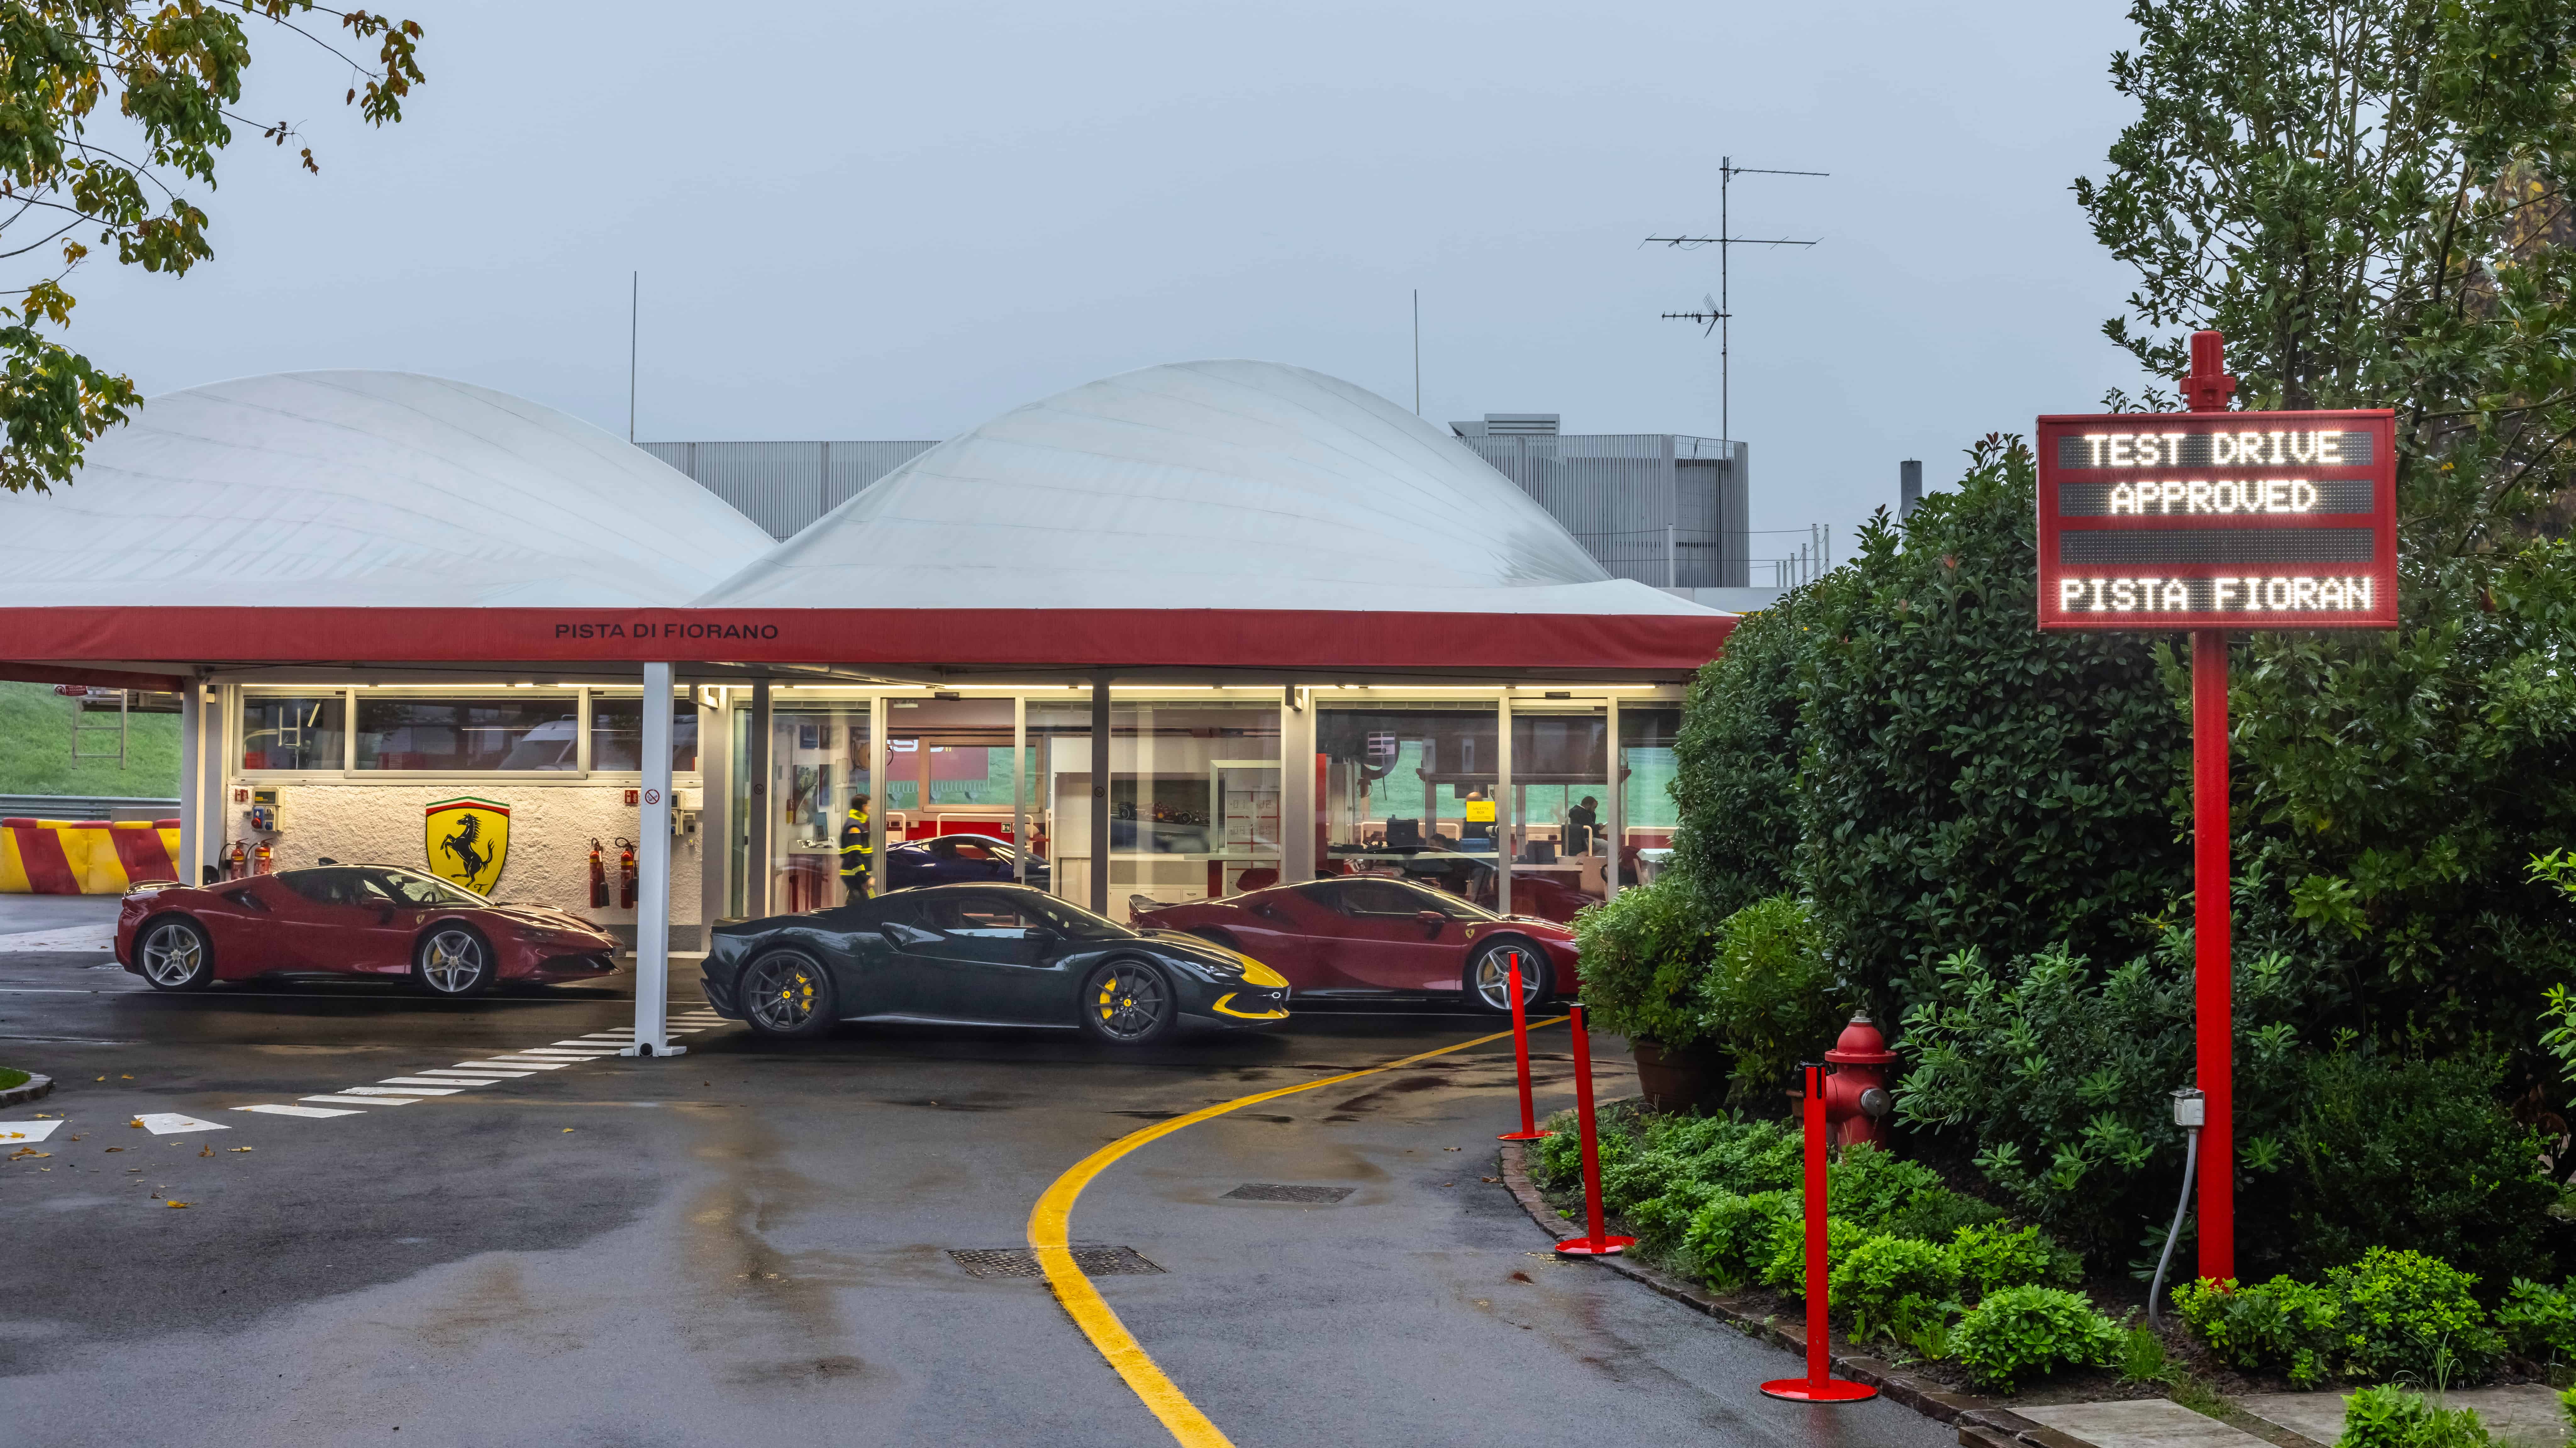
(532, 732)
(336, 885)
(617, 734)
(1404, 781)
(1194, 794)
(1560, 772)
(818, 768)
(1647, 814)
(408, 888)
(298, 732)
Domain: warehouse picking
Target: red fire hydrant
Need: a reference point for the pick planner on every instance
(1856, 1097)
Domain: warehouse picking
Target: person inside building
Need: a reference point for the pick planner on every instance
(1479, 825)
(1582, 823)
(858, 851)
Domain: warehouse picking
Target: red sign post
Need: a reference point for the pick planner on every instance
(2209, 521)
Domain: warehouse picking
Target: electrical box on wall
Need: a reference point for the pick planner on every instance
(263, 810)
(686, 805)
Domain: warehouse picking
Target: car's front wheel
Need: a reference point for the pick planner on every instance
(175, 954)
(786, 994)
(1128, 1003)
(1488, 980)
(453, 961)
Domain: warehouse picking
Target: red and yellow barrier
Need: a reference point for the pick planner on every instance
(85, 857)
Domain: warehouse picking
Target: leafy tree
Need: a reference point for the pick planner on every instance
(2367, 197)
(67, 171)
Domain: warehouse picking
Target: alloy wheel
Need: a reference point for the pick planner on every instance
(172, 954)
(453, 962)
(1494, 978)
(781, 993)
(1129, 1003)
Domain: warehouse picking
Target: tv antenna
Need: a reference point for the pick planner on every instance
(1725, 241)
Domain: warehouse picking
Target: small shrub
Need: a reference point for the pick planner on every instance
(1787, 1269)
(2143, 1358)
(1921, 1326)
(1646, 959)
(2022, 1331)
(1729, 1240)
(1771, 999)
(2538, 1321)
(2389, 1417)
(2404, 1312)
(1938, 1214)
(2283, 1326)
(1870, 1279)
(1661, 1222)
(1993, 1256)
(1870, 1186)
(2567, 1403)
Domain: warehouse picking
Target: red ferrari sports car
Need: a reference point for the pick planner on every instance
(1375, 935)
(352, 920)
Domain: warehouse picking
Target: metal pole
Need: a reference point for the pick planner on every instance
(192, 784)
(1020, 788)
(1507, 815)
(1100, 793)
(1618, 827)
(758, 843)
(880, 792)
(2212, 925)
(1725, 304)
(1672, 573)
(634, 326)
(2212, 916)
(1417, 351)
(653, 873)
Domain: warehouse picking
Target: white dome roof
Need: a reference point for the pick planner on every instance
(366, 489)
(1199, 485)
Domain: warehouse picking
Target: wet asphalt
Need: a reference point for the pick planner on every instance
(752, 1242)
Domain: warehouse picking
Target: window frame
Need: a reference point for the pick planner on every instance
(349, 772)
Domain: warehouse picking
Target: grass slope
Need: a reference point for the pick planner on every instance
(36, 749)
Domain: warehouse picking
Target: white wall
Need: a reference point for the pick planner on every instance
(551, 825)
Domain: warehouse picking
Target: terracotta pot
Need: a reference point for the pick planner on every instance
(1676, 1080)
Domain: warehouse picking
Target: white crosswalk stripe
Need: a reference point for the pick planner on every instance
(276, 1110)
(433, 1081)
(400, 1090)
(165, 1123)
(28, 1130)
(520, 1063)
(477, 1075)
(367, 1095)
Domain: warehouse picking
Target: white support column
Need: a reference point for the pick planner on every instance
(880, 771)
(1507, 815)
(653, 874)
(759, 857)
(1020, 788)
(192, 784)
(1618, 825)
(715, 811)
(218, 706)
(1297, 802)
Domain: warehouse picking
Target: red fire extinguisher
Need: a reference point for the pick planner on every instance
(237, 863)
(264, 858)
(625, 873)
(598, 877)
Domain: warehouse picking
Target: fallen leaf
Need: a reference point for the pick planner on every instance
(178, 1204)
(136, 1123)
(29, 1151)
(209, 1151)
(1453, 1148)
(113, 1148)
(71, 1138)
(241, 1148)
(1489, 1179)
(102, 1078)
(120, 1078)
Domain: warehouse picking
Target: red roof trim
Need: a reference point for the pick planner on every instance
(1322, 639)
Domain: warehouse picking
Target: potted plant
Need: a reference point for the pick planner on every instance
(1646, 954)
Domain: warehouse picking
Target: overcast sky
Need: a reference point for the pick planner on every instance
(881, 222)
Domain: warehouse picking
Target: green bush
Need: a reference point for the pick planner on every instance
(2539, 1321)
(1772, 999)
(2404, 1312)
(1729, 1239)
(2282, 1326)
(2391, 1417)
(1870, 1279)
(1647, 956)
(1736, 776)
(2415, 1154)
(1937, 1215)
(1994, 1256)
(1787, 1267)
(1869, 1185)
(2032, 1330)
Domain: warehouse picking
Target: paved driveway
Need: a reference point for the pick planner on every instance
(751, 1243)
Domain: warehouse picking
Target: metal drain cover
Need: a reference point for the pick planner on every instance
(1023, 1262)
(1275, 1192)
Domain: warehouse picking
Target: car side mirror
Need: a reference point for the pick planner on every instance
(1431, 919)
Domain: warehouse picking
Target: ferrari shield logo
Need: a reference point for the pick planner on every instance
(467, 840)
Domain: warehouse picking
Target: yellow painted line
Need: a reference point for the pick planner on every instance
(1050, 1226)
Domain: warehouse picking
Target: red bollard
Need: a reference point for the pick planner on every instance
(1819, 1385)
(1520, 1047)
(1600, 1243)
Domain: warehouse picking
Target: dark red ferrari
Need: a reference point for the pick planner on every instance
(380, 920)
(1377, 935)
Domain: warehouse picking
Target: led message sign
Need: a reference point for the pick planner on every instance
(2218, 520)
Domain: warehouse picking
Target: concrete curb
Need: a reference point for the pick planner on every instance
(1982, 1422)
(33, 1088)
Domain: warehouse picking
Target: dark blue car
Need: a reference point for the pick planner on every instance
(957, 860)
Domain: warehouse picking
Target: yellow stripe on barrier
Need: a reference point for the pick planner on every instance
(1051, 1225)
